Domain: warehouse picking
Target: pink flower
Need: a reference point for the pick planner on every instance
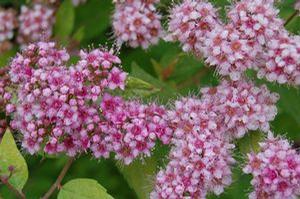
(229, 52)
(7, 24)
(200, 157)
(282, 60)
(190, 22)
(257, 20)
(275, 170)
(35, 24)
(242, 106)
(136, 24)
(129, 129)
(57, 104)
(116, 79)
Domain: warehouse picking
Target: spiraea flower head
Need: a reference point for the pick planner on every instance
(189, 23)
(200, 157)
(129, 129)
(5, 92)
(275, 170)
(282, 60)
(257, 20)
(8, 23)
(229, 52)
(137, 24)
(242, 105)
(35, 24)
(54, 111)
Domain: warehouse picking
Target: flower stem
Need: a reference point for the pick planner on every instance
(18, 193)
(57, 183)
(291, 17)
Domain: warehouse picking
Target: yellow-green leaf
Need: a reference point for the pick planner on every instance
(10, 156)
(65, 18)
(139, 176)
(250, 142)
(83, 188)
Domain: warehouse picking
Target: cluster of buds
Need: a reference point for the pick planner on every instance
(8, 23)
(275, 170)
(254, 38)
(137, 23)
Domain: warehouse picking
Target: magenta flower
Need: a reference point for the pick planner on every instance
(190, 22)
(137, 24)
(35, 24)
(275, 170)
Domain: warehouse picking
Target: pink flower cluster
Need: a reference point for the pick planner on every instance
(282, 60)
(64, 109)
(254, 38)
(129, 129)
(256, 20)
(200, 158)
(7, 24)
(243, 106)
(190, 22)
(5, 93)
(35, 24)
(54, 109)
(5, 98)
(229, 52)
(137, 23)
(275, 170)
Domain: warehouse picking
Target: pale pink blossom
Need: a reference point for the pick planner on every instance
(275, 170)
(35, 24)
(136, 24)
(190, 22)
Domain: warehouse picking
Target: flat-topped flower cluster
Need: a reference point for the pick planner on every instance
(72, 108)
(253, 38)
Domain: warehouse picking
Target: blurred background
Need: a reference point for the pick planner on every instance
(167, 68)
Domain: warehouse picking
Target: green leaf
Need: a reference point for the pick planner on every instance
(65, 18)
(136, 87)
(79, 34)
(250, 142)
(10, 156)
(289, 101)
(166, 92)
(6, 56)
(83, 188)
(139, 176)
(93, 17)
